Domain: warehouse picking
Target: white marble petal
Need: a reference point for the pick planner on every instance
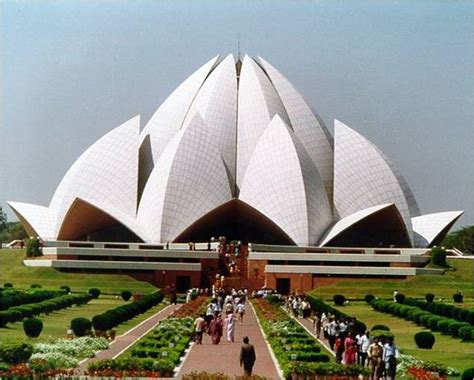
(428, 227)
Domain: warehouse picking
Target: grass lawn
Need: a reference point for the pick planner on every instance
(450, 351)
(12, 270)
(460, 278)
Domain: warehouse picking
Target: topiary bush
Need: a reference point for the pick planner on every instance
(468, 374)
(15, 351)
(400, 297)
(424, 339)
(369, 298)
(101, 322)
(438, 256)
(35, 286)
(66, 288)
(81, 326)
(466, 333)
(380, 327)
(429, 297)
(126, 295)
(339, 299)
(94, 292)
(32, 327)
(458, 297)
(8, 285)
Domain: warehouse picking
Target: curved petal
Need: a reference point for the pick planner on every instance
(283, 183)
(188, 181)
(105, 175)
(430, 229)
(37, 220)
(365, 177)
(307, 126)
(258, 103)
(378, 225)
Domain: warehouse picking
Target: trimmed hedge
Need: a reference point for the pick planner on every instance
(126, 295)
(369, 298)
(80, 326)
(120, 314)
(424, 339)
(339, 299)
(32, 327)
(458, 297)
(94, 292)
(434, 322)
(468, 374)
(445, 310)
(17, 313)
(320, 306)
(380, 327)
(429, 297)
(32, 296)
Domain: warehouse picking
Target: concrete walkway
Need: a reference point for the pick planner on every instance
(123, 342)
(224, 357)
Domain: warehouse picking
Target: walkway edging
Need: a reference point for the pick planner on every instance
(270, 350)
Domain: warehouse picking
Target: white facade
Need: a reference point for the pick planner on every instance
(231, 130)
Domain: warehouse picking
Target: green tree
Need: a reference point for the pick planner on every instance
(462, 239)
(3, 219)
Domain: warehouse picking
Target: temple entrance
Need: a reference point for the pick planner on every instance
(283, 286)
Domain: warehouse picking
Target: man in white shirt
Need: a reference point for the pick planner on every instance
(363, 343)
(390, 356)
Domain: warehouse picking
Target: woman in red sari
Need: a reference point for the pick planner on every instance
(350, 350)
(215, 329)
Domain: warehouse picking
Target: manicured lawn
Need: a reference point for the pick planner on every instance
(442, 286)
(450, 351)
(56, 324)
(12, 270)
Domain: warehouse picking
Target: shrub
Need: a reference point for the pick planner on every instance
(339, 299)
(80, 326)
(443, 326)
(14, 351)
(466, 333)
(32, 327)
(94, 292)
(454, 328)
(429, 297)
(33, 248)
(126, 295)
(468, 374)
(369, 298)
(382, 334)
(400, 297)
(101, 322)
(66, 288)
(438, 256)
(458, 297)
(35, 286)
(433, 323)
(380, 327)
(424, 339)
(8, 285)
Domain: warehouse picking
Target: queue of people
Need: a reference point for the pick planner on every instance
(349, 345)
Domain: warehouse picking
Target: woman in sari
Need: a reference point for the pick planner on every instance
(230, 326)
(350, 349)
(215, 329)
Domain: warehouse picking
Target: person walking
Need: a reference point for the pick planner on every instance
(247, 357)
(363, 343)
(215, 329)
(390, 356)
(240, 309)
(349, 349)
(375, 354)
(230, 327)
(199, 326)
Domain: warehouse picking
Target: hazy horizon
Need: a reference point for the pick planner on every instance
(398, 72)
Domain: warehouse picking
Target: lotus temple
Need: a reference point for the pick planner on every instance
(235, 152)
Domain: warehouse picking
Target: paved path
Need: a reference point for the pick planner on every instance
(307, 323)
(122, 342)
(224, 357)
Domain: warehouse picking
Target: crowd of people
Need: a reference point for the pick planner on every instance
(349, 345)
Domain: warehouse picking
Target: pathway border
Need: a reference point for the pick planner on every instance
(272, 354)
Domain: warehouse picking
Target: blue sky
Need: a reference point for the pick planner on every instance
(399, 72)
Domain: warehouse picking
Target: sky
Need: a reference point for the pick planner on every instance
(398, 72)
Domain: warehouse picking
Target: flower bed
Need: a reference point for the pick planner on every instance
(66, 353)
(297, 352)
(160, 351)
(434, 322)
(418, 369)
